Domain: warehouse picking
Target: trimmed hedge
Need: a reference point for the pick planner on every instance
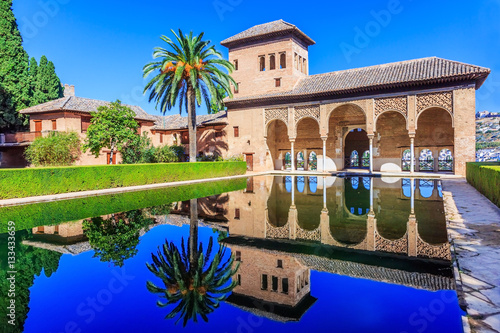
(52, 213)
(485, 177)
(19, 183)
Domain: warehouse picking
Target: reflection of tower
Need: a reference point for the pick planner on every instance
(273, 285)
(64, 233)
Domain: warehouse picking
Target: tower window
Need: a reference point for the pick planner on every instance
(236, 131)
(296, 61)
(238, 256)
(237, 88)
(283, 60)
(262, 63)
(274, 281)
(272, 62)
(264, 282)
(280, 263)
(284, 285)
(304, 68)
(236, 65)
(277, 82)
(236, 213)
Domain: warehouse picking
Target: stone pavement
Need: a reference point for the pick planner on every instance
(474, 230)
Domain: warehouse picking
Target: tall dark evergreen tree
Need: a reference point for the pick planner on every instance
(13, 70)
(48, 85)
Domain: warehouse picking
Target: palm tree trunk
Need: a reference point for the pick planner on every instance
(191, 109)
(193, 234)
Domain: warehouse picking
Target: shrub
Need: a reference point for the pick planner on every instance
(140, 150)
(56, 149)
(165, 154)
(485, 177)
(18, 183)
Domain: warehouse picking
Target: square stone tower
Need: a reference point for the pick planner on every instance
(268, 58)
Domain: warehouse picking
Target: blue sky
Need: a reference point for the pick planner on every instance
(101, 46)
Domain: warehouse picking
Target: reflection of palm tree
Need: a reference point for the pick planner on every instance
(193, 280)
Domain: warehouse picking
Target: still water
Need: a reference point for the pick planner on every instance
(267, 254)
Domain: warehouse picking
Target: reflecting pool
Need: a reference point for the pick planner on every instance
(266, 254)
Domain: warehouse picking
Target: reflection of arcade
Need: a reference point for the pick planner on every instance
(360, 213)
(360, 227)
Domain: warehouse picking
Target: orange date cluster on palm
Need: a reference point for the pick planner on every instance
(171, 67)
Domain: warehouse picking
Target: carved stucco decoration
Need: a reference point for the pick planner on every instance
(277, 113)
(433, 251)
(277, 232)
(441, 99)
(313, 235)
(398, 103)
(311, 111)
(393, 246)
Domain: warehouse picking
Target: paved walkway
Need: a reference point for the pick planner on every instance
(474, 229)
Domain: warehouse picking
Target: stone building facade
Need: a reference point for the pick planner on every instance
(415, 115)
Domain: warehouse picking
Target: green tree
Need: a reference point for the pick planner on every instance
(214, 108)
(188, 73)
(115, 239)
(47, 85)
(13, 71)
(58, 148)
(192, 279)
(112, 127)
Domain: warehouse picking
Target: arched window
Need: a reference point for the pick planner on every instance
(283, 60)
(366, 183)
(288, 161)
(426, 160)
(301, 184)
(354, 159)
(313, 161)
(313, 184)
(426, 186)
(406, 186)
(445, 161)
(304, 66)
(355, 182)
(406, 160)
(272, 62)
(365, 160)
(300, 161)
(288, 184)
(262, 63)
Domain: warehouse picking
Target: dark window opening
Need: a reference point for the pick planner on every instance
(284, 285)
(237, 214)
(277, 82)
(238, 256)
(54, 125)
(184, 138)
(262, 63)
(239, 280)
(236, 65)
(264, 282)
(280, 263)
(272, 62)
(237, 88)
(283, 60)
(236, 131)
(274, 281)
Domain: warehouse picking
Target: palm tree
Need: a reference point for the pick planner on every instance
(192, 280)
(188, 73)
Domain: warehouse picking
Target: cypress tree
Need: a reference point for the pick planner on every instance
(13, 70)
(47, 85)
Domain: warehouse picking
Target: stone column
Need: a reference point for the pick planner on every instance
(371, 193)
(292, 142)
(293, 190)
(371, 223)
(412, 236)
(412, 195)
(324, 192)
(412, 153)
(324, 152)
(371, 153)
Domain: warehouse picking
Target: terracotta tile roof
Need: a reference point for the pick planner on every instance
(80, 104)
(271, 29)
(404, 74)
(177, 122)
